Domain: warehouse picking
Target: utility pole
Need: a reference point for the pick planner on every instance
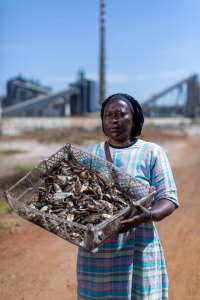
(102, 53)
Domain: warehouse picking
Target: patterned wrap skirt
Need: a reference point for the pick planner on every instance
(127, 266)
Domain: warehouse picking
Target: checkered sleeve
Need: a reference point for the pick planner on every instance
(162, 178)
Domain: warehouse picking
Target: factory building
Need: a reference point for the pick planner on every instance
(19, 89)
(23, 99)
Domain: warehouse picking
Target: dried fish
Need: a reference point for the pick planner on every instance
(77, 195)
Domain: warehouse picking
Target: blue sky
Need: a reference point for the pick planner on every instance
(150, 44)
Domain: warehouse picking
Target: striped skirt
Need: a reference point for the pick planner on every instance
(127, 266)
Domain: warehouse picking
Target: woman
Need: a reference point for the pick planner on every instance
(130, 265)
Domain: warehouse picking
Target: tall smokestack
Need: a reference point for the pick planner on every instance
(102, 53)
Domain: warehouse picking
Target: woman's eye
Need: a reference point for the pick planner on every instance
(120, 115)
(115, 115)
(108, 115)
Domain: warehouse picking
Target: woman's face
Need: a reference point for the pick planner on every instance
(118, 122)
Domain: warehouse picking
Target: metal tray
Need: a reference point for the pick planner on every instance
(25, 191)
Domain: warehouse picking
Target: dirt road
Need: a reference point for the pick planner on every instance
(35, 264)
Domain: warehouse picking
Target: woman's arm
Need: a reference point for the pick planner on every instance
(157, 212)
(165, 198)
(162, 209)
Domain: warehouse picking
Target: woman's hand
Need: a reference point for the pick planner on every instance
(157, 212)
(142, 215)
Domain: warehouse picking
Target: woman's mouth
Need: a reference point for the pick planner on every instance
(114, 129)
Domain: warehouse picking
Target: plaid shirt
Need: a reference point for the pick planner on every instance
(130, 265)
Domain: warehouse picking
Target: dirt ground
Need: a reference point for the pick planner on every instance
(35, 264)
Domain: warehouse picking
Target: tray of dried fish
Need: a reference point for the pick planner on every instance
(73, 195)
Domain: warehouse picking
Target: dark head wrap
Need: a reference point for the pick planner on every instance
(136, 109)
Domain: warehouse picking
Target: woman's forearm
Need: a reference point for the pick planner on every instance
(162, 209)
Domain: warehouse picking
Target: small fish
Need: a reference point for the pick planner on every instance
(57, 188)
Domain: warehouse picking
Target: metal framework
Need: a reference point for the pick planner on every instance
(155, 105)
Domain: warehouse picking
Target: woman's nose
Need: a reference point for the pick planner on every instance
(114, 120)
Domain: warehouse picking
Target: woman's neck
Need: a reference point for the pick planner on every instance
(121, 144)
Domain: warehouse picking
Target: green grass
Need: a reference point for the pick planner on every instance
(7, 181)
(4, 207)
(7, 220)
(8, 223)
(11, 152)
(23, 168)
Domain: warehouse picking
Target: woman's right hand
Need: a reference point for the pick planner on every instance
(135, 218)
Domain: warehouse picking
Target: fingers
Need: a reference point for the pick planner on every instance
(139, 207)
(134, 210)
(123, 228)
(128, 224)
(138, 219)
(136, 216)
(131, 220)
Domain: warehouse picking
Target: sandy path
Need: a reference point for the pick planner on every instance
(180, 233)
(35, 264)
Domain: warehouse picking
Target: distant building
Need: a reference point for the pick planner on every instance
(79, 98)
(19, 89)
(85, 100)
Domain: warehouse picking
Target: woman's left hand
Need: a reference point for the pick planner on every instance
(142, 215)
